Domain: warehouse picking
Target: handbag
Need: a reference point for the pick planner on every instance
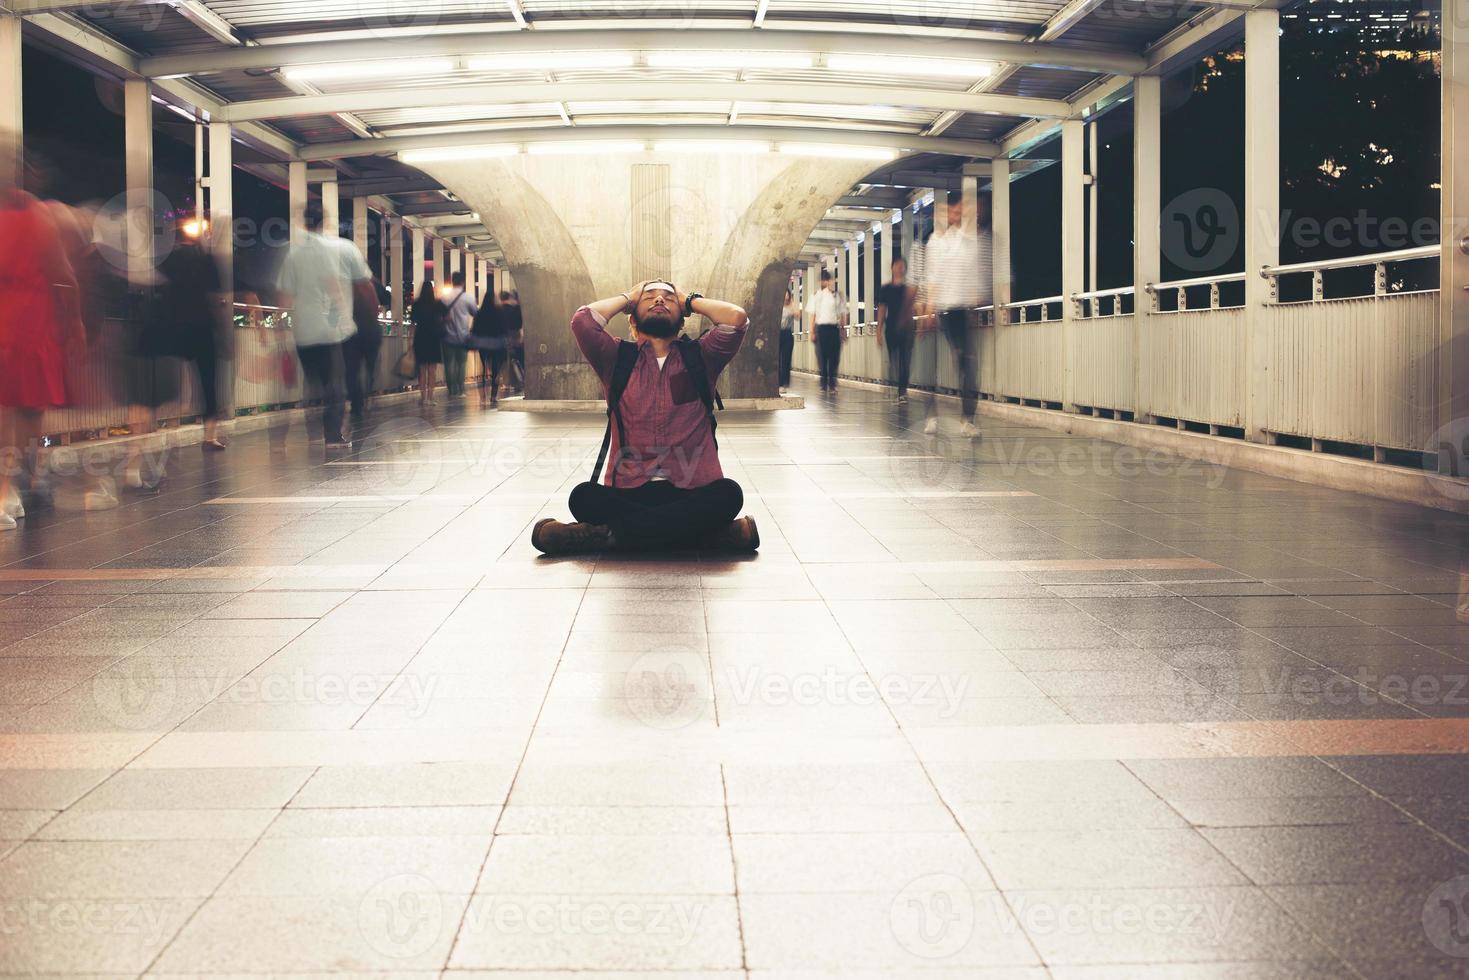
(407, 367)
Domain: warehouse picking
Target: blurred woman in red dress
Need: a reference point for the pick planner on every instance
(40, 325)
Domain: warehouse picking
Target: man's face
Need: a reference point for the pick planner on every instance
(899, 268)
(657, 313)
(956, 215)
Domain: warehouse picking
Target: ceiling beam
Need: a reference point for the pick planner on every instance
(619, 90)
(890, 201)
(936, 179)
(649, 132)
(369, 186)
(432, 208)
(633, 37)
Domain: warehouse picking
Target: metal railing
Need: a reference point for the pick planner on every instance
(1180, 288)
(1100, 303)
(1379, 261)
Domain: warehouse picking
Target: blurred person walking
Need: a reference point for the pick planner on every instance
(427, 317)
(487, 336)
(827, 312)
(895, 326)
(512, 317)
(193, 302)
(958, 268)
(316, 284)
(460, 309)
(360, 352)
(40, 328)
(790, 317)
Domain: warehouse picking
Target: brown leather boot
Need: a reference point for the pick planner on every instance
(739, 536)
(552, 537)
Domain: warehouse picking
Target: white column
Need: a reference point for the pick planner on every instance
(1453, 361)
(222, 201)
(359, 224)
(393, 249)
(1262, 203)
(863, 259)
(889, 232)
(971, 203)
(876, 270)
(441, 271)
(296, 171)
(419, 274)
(906, 231)
(10, 95)
(1073, 245)
(331, 215)
(940, 210)
(1000, 245)
(1147, 155)
(138, 136)
(484, 278)
(1093, 171)
(851, 283)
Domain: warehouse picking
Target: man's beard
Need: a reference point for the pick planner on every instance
(658, 325)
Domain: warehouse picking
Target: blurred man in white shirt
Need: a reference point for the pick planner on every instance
(957, 269)
(827, 313)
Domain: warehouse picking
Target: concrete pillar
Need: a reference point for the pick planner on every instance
(1073, 244)
(393, 249)
(222, 201)
(889, 232)
(138, 137)
(10, 95)
(1453, 266)
(359, 224)
(419, 273)
(441, 271)
(1000, 243)
(296, 171)
(1262, 203)
(1147, 154)
(331, 215)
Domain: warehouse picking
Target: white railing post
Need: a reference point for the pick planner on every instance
(1073, 243)
(1147, 196)
(1379, 279)
(1000, 243)
(1262, 205)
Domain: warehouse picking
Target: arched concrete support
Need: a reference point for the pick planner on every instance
(578, 227)
(761, 252)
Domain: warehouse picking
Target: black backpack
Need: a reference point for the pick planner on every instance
(627, 358)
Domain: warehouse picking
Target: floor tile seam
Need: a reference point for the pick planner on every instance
(1390, 801)
(938, 795)
(510, 788)
(734, 870)
(162, 950)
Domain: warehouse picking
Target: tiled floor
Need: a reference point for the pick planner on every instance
(1023, 707)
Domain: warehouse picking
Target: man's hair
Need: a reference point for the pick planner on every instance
(313, 216)
(457, 278)
(826, 275)
(899, 258)
(955, 198)
(504, 294)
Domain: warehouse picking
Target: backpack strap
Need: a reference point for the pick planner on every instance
(627, 359)
(693, 365)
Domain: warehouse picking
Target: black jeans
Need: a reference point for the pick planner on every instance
(956, 328)
(320, 364)
(658, 514)
(828, 352)
(360, 356)
(492, 362)
(900, 356)
(787, 348)
(206, 363)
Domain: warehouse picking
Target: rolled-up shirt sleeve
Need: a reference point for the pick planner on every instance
(720, 346)
(597, 345)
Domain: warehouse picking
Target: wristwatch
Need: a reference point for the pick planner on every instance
(688, 303)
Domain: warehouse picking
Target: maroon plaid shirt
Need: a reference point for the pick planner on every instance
(668, 432)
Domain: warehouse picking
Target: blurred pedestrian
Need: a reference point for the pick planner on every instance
(958, 280)
(316, 285)
(895, 326)
(790, 318)
(827, 312)
(427, 316)
(512, 318)
(40, 327)
(360, 352)
(487, 336)
(194, 303)
(460, 309)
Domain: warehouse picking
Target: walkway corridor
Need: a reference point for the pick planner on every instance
(1023, 707)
